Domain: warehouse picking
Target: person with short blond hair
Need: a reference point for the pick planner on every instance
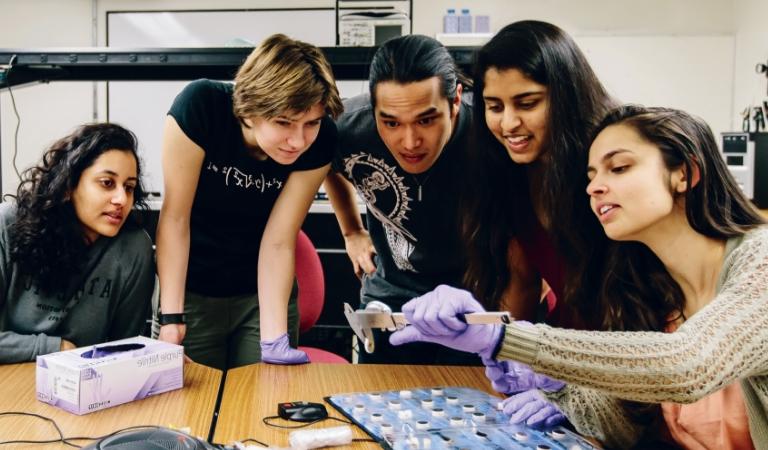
(242, 163)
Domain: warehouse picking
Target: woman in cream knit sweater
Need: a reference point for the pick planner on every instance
(685, 296)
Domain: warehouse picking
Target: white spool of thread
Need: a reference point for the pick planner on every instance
(322, 437)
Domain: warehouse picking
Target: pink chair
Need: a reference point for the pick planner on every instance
(309, 275)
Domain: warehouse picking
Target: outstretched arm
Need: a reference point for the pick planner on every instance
(182, 162)
(277, 263)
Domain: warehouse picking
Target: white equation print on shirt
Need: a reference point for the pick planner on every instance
(237, 178)
(381, 187)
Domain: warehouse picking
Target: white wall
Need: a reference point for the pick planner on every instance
(49, 111)
(659, 17)
(750, 88)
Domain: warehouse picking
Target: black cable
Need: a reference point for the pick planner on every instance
(65, 440)
(135, 427)
(267, 422)
(255, 441)
(11, 62)
(61, 438)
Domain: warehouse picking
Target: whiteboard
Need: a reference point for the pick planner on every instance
(141, 106)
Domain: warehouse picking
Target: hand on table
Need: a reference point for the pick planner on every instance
(434, 317)
(511, 377)
(66, 345)
(173, 333)
(279, 351)
(532, 409)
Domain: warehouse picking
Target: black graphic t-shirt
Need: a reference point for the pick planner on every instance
(235, 193)
(417, 241)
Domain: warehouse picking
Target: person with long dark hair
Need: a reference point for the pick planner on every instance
(684, 293)
(402, 148)
(536, 104)
(72, 271)
(242, 163)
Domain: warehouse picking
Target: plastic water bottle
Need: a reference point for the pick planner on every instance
(482, 24)
(465, 21)
(451, 22)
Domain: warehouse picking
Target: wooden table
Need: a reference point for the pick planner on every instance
(253, 392)
(192, 406)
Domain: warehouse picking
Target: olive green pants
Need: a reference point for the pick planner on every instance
(224, 332)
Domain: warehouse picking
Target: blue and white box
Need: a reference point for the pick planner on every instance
(88, 379)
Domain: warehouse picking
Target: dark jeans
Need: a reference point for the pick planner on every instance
(224, 332)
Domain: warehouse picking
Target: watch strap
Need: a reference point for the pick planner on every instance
(174, 318)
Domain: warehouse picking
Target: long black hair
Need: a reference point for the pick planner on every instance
(637, 292)
(47, 240)
(412, 58)
(499, 194)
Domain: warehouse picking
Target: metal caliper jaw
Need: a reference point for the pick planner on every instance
(379, 315)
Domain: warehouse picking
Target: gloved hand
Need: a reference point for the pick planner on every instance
(279, 351)
(433, 317)
(531, 408)
(511, 377)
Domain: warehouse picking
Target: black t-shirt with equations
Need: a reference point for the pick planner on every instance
(235, 193)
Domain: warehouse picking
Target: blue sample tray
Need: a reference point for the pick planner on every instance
(439, 418)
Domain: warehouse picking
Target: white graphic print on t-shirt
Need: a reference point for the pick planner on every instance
(237, 178)
(386, 197)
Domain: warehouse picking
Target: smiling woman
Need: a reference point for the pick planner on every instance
(72, 272)
(537, 101)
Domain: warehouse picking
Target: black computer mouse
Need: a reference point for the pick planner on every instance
(309, 413)
(151, 438)
(302, 411)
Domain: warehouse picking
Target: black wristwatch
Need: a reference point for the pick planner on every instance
(168, 319)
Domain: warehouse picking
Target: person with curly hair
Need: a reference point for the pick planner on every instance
(242, 163)
(72, 271)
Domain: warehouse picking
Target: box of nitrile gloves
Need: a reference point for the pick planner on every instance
(88, 379)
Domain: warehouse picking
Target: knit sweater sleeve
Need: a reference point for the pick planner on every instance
(597, 414)
(721, 343)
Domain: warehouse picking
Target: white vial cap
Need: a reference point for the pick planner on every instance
(557, 434)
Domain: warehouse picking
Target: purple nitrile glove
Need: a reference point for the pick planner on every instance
(511, 377)
(279, 351)
(531, 408)
(433, 317)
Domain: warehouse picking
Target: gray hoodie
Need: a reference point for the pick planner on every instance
(110, 301)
